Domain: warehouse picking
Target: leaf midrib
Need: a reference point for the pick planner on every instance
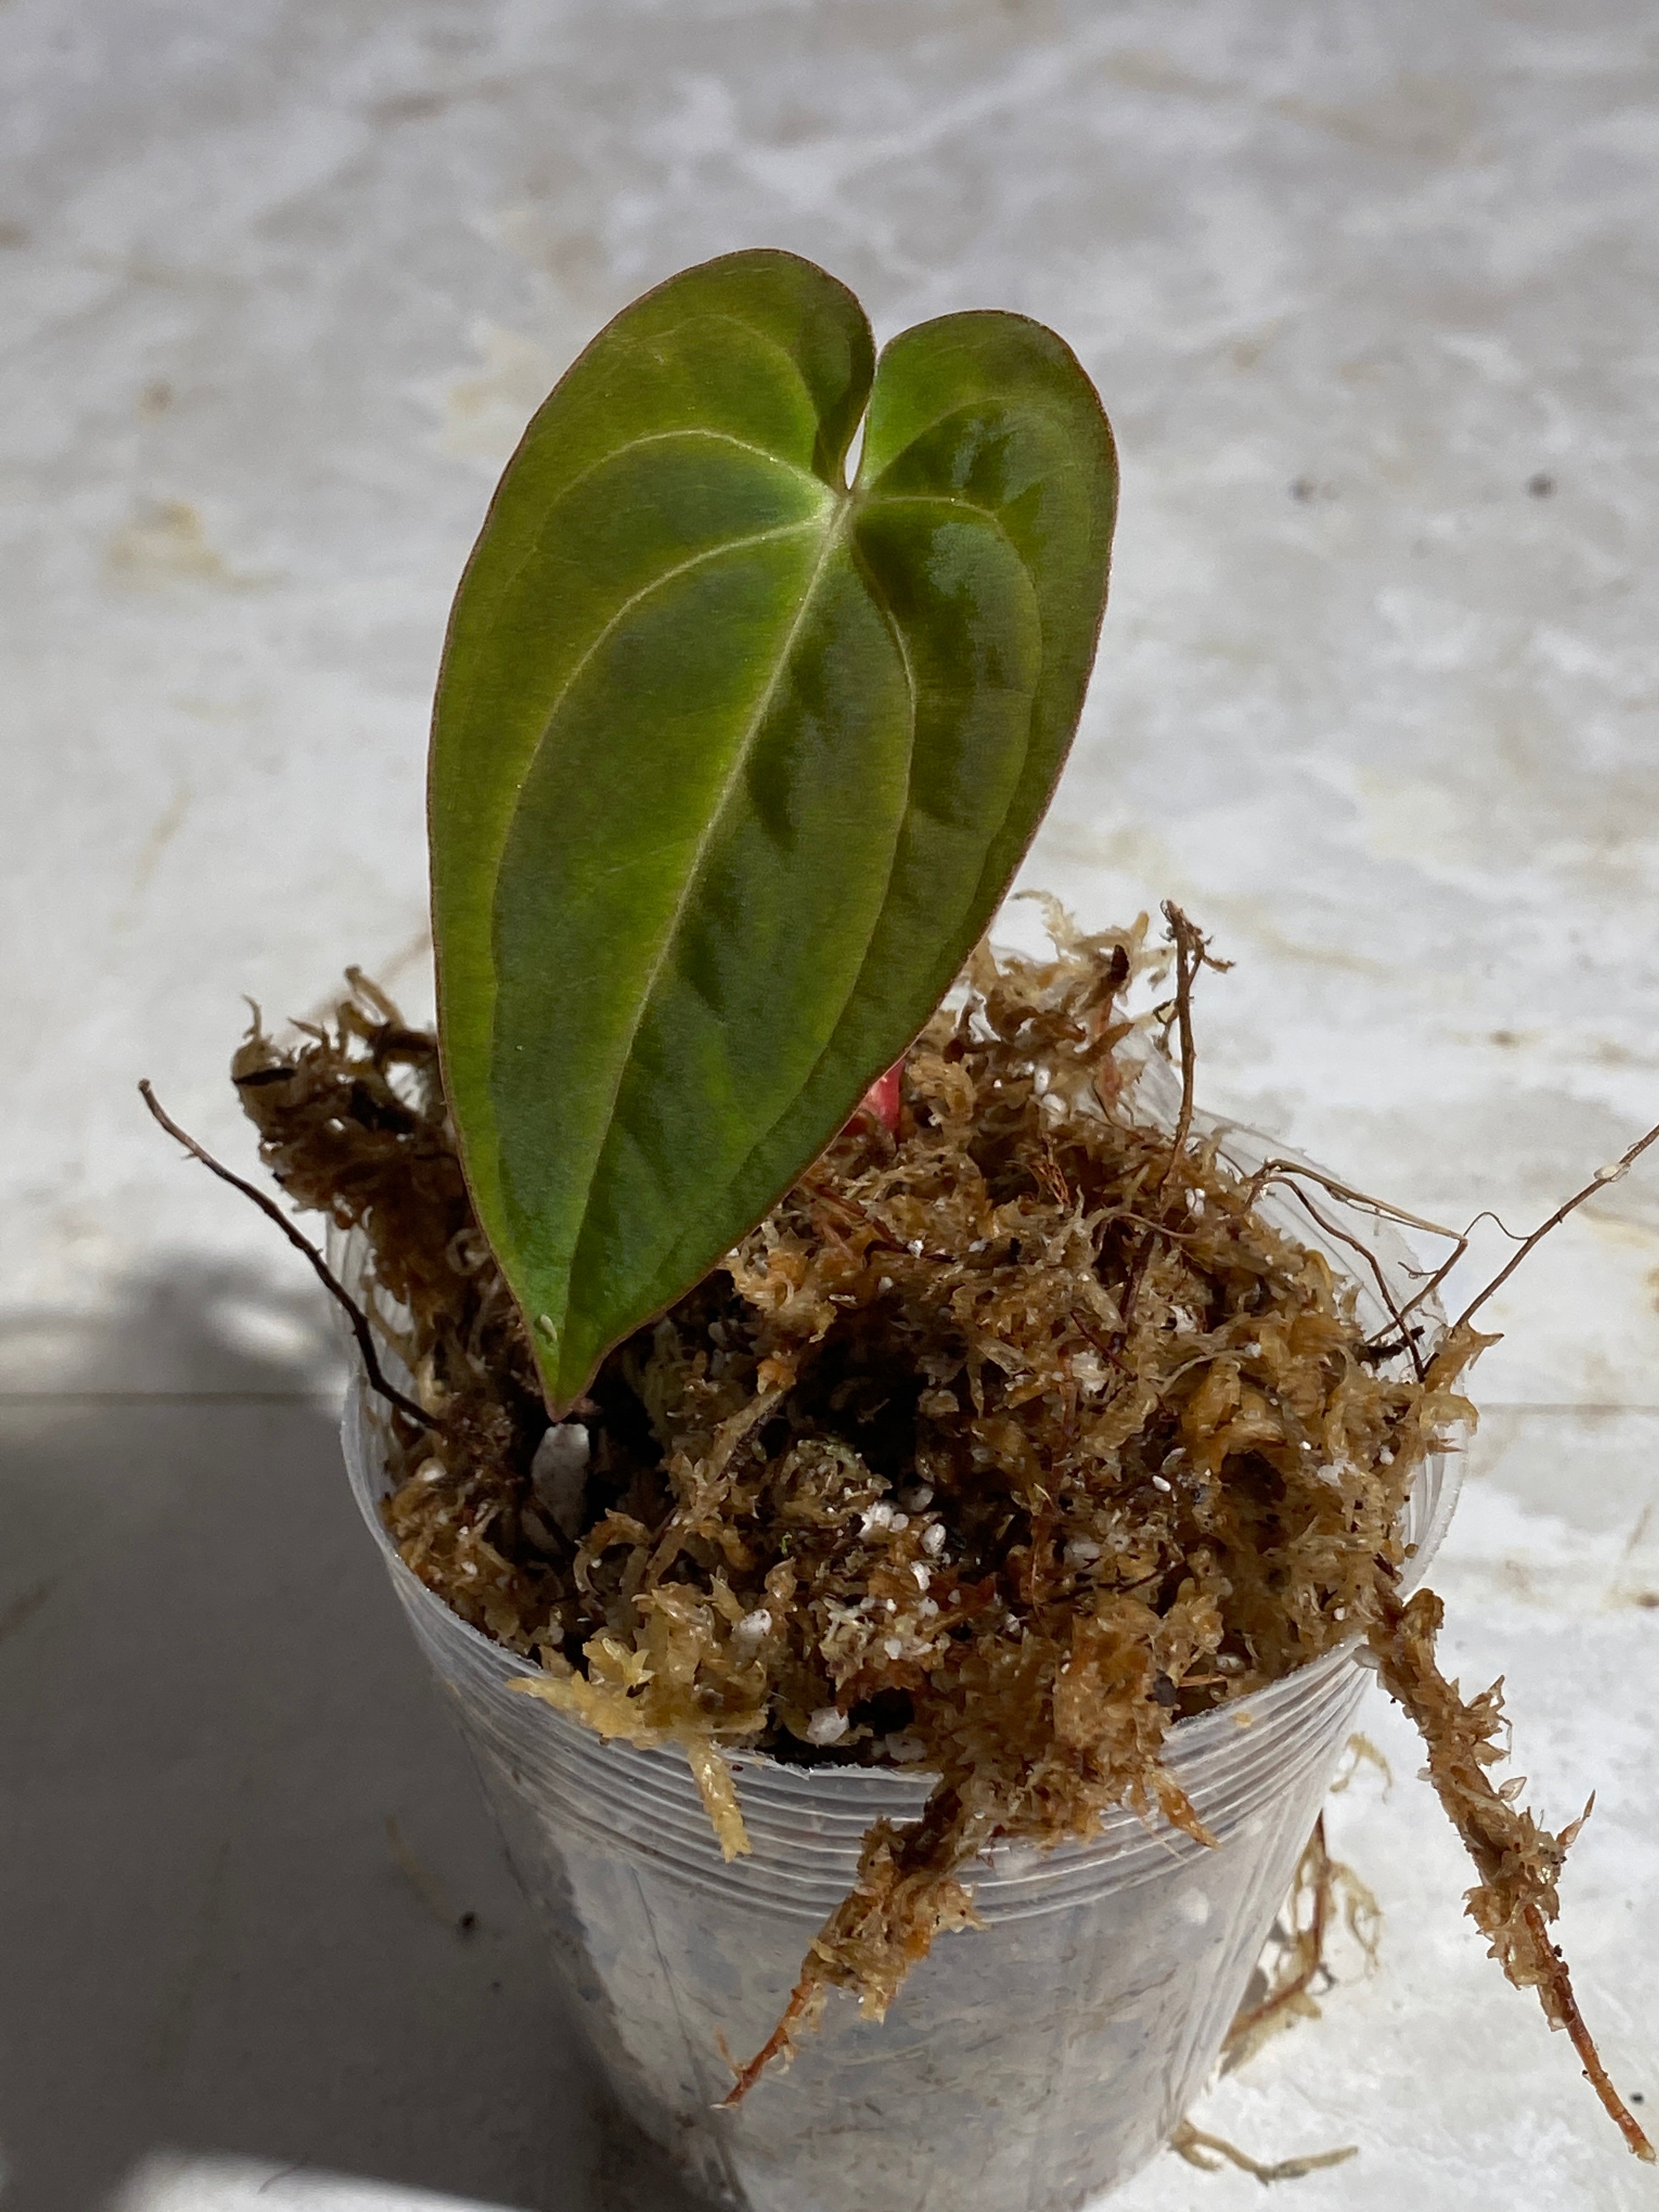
(873, 584)
(834, 537)
(866, 498)
(633, 599)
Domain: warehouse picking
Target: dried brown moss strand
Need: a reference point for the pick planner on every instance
(1518, 1863)
(1315, 1875)
(1189, 957)
(1209, 2152)
(801, 2000)
(1584, 2043)
(300, 1242)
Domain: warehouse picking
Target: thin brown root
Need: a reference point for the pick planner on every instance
(1303, 1934)
(1406, 1337)
(1287, 1997)
(1209, 2152)
(1294, 1173)
(1384, 1209)
(300, 1242)
(1519, 1862)
(1600, 1181)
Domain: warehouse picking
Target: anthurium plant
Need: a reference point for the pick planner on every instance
(734, 755)
(737, 743)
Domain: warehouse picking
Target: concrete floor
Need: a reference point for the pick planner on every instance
(1370, 294)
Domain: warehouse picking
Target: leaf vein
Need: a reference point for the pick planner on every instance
(939, 499)
(688, 430)
(638, 598)
(989, 514)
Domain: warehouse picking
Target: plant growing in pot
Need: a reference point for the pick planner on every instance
(870, 1461)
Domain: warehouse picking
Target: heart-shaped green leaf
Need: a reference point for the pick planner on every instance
(731, 764)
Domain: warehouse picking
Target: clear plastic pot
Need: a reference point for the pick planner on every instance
(1024, 2066)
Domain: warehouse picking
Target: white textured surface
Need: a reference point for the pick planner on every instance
(174, 2183)
(281, 282)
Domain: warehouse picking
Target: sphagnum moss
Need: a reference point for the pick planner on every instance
(1010, 1437)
